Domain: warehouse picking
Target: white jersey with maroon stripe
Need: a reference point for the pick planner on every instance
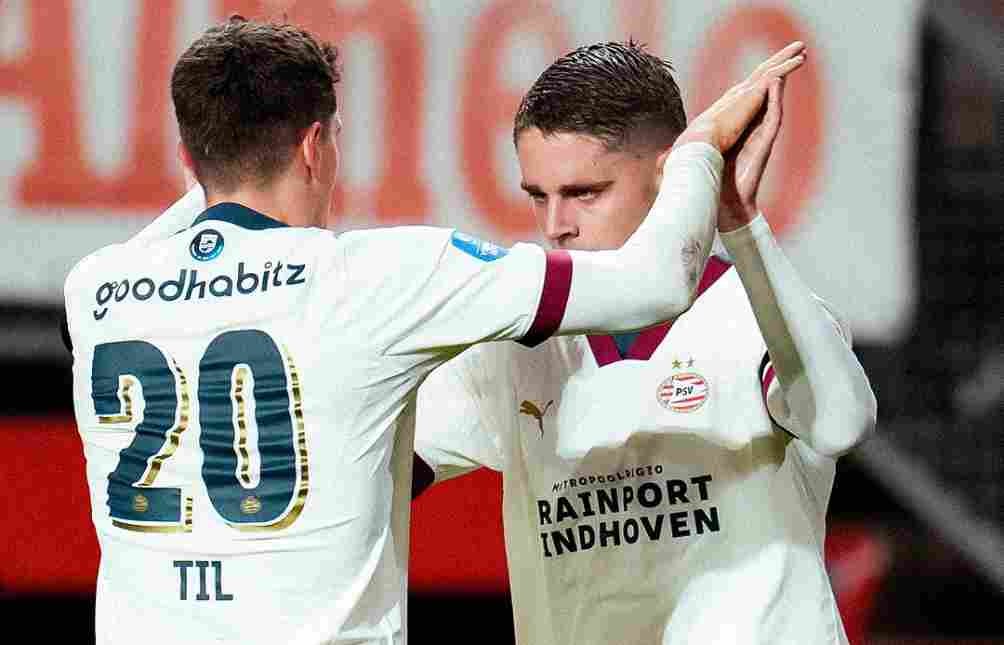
(245, 392)
(701, 522)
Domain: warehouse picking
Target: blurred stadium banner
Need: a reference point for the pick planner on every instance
(428, 96)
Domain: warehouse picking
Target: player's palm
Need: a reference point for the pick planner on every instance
(725, 121)
(746, 162)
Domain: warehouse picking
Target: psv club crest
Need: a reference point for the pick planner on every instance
(683, 392)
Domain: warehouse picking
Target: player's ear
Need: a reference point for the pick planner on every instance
(660, 161)
(312, 148)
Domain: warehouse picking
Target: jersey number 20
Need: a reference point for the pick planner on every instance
(240, 370)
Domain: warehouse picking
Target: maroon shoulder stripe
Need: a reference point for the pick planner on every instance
(553, 298)
(767, 379)
(605, 349)
(714, 269)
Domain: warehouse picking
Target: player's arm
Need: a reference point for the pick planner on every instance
(440, 293)
(654, 275)
(455, 432)
(822, 394)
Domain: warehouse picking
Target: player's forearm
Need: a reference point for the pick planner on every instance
(652, 278)
(825, 387)
(178, 217)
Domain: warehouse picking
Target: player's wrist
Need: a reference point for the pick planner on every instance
(702, 132)
(686, 151)
(735, 215)
(737, 240)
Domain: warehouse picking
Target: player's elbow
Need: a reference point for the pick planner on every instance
(663, 303)
(847, 425)
(674, 307)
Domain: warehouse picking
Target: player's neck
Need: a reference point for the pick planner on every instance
(280, 201)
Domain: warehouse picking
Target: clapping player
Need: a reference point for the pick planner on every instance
(667, 485)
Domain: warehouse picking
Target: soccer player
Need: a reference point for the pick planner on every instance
(668, 486)
(245, 386)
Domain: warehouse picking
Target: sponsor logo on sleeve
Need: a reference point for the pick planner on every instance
(480, 249)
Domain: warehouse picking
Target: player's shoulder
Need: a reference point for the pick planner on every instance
(402, 238)
(92, 262)
(400, 252)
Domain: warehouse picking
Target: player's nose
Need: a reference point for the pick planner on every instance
(560, 224)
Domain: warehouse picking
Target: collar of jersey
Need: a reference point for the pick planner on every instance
(238, 215)
(605, 349)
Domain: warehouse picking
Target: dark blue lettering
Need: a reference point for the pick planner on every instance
(228, 290)
(178, 286)
(151, 289)
(183, 566)
(194, 284)
(218, 567)
(297, 269)
(243, 277)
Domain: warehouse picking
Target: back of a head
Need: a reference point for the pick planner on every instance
(616, 92)
(244, 94)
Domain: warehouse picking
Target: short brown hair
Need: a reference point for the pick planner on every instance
(616, 92)
(244, 93)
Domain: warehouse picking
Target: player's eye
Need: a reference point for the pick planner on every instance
(538, 198)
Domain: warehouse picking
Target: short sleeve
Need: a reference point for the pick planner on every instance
(434, 290)
(455, 429)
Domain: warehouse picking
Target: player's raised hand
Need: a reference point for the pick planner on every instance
(746, 162)
(725, 121)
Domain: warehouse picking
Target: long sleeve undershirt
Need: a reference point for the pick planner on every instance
(826, 400)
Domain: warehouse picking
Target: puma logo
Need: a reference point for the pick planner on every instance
(530, 408)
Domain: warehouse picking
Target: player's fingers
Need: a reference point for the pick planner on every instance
(775, 102)
(789, 51)
(773, 116)
(784, 68)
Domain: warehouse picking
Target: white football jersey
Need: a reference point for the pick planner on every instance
(245, 397)
(705, 526)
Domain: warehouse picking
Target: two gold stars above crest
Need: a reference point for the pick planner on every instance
(677, 363)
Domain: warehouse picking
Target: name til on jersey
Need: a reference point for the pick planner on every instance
(183, 566)
(189, 286)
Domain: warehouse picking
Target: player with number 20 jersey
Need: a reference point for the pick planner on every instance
(244, 391)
